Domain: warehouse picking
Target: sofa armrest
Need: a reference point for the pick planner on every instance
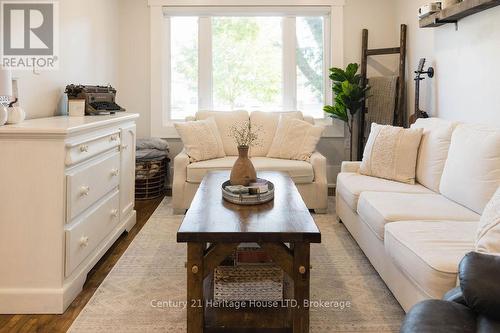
(348, 166)
(318, 162)
(181, 162)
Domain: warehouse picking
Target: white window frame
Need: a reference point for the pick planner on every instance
(332, 10)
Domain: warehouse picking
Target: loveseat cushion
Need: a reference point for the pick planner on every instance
(224, 121)
(429, 251)
(377, 209)
(301, 172)
(350, 185)
(266, 123)
(433, 150)
(472, 171)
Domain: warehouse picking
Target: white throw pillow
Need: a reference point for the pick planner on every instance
(433, 150)
(295, 139)
(225, 120)
(201, 139)
(267, 123)
(472, 171)
(391, 153)
(488, 233)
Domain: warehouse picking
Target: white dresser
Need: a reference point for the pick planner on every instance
(66, 195)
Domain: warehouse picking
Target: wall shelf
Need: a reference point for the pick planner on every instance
(456, 12)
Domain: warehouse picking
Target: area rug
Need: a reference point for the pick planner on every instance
(145, 291)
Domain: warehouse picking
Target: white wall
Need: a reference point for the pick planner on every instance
(88, 55)
(466, 86)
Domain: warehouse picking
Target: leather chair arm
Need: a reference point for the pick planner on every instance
(479, 276)
(455, 295)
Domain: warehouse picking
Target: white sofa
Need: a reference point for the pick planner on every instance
(309, 177)
(415, 235)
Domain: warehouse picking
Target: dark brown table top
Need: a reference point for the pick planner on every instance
(212, 219)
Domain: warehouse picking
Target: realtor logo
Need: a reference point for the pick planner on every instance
(30, 34)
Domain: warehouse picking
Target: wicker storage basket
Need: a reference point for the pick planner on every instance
(262, 282)
(249, 275)
(150, 177)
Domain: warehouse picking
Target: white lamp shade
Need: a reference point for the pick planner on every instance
(5, 82)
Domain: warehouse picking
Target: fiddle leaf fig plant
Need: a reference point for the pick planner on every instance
(349, 96)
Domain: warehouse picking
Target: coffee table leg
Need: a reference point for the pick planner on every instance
(301, 257)
(195, 306)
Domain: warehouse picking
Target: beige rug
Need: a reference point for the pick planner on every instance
(152, 270)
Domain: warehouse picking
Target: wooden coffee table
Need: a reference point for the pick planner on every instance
(213, 228)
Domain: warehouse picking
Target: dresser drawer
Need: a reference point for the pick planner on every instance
(89, 183)
(83, 149)
(90, 229)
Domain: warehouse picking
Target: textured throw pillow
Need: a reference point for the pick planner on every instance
(201, 139)
(391, 153)
(225, 120)
(266, 123)
(488, 233)
(295, 139)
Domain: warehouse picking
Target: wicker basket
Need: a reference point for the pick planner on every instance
(263, 282)
(150, 178)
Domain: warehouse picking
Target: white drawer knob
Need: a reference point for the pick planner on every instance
(114, 213)
(124, 147)
(84, 190)
(84, 241)
(115, 172)
(84, 148)
(114, 137)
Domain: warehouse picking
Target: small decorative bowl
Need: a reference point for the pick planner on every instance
(249, 198)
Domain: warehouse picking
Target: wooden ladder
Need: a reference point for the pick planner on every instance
(400, 116)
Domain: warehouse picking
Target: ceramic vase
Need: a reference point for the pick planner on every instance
(16, 115)
(3, 115)
(243, 171)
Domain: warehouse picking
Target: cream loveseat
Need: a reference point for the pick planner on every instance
(309, 177)
(415, 235)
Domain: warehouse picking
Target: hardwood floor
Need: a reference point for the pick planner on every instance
(61, 323)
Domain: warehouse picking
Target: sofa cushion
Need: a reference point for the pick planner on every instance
(433, 150)
(295, 139)
(301, 172)
(391, 153)
(377, 209)
(488, 232)
(472, 171)
(350, 185)
(429, 251)
(196, 171)
(224, 121)
(267, 123)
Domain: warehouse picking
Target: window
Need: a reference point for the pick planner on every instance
(270, 59)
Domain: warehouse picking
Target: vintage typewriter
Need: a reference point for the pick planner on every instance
(98, 99)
